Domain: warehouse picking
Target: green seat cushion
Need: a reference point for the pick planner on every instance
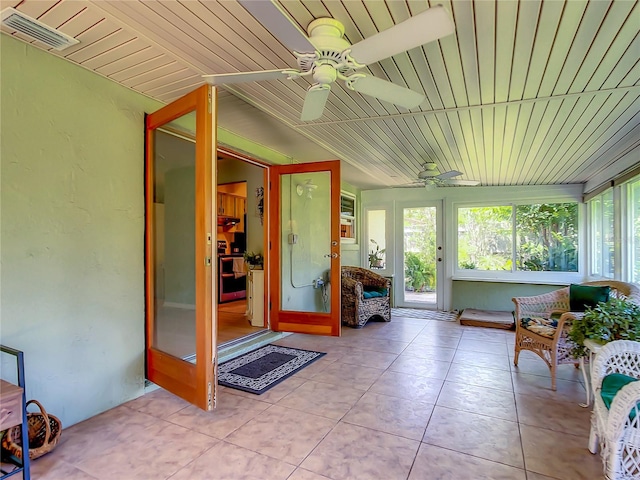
(610, 386)
(583, 296)
(371, 294)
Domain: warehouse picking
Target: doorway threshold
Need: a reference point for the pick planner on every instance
(234, 348)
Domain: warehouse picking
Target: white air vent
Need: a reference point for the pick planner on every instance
(16, 20)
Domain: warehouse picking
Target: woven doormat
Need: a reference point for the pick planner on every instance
(486, 318)
(259, 370)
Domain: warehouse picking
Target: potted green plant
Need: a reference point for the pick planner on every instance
(253, 260)
(616, 319)
(376, 256)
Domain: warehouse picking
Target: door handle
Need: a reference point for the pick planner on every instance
(332, 255)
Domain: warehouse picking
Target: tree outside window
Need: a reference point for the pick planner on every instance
(537, 237)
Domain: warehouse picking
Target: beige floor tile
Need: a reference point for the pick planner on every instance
(117, 426)
(483, 345)
(478, 435)
(436, 340)
(282, 433)
(435, 463)
(366, 358)
(378, 344)
(536, 476)
(431, 352)
(355, 376)
(225, 461)
(302, 474)
(424, 367)
(567, 417)
(353, 452)
(480, 376)
(397, 335)
(559, 455)
(51, 467)
(398, 416)
(537, 386)
(480, 359)
(411, 387)
(157, 452)
(481, 400)
(324, 399)
(159, 403)
(230, 413)
(436, 331)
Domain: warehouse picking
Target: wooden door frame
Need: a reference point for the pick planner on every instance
(193, 382)
(314, 322)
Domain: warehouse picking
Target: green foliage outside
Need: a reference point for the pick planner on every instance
(616, 319)
(546, 237)
(420, 249)
(419, 273)
(484, 238)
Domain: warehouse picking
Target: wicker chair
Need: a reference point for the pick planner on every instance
(358, 310)
(617, 430)
(552, 343)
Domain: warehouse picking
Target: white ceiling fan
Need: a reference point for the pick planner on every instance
(430, 178)
(326, 56)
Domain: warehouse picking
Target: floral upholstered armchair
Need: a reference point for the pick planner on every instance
(365, 295)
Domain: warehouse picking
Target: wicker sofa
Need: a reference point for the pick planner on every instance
(358, 284)
(551, 343)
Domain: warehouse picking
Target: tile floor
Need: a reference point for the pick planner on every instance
(411, 399)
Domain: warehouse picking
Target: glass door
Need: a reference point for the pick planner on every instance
(180, 332)
(423, 255)
(304, 237)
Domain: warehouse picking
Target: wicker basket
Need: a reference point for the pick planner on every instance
(44, 434)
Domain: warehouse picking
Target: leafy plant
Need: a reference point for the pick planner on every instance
(376, 256)
(617, 319)
(253, 258)
(417, 272)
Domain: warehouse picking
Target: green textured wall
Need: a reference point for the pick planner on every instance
(72, 231)
(493, 295)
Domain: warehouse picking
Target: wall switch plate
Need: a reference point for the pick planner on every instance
(293, 239)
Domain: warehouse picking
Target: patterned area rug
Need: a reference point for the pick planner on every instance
(259, 370)
(426, 314)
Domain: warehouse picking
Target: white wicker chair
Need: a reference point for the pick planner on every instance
(617, 435)
(555, 348)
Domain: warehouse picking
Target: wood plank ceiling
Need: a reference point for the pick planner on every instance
(524, 93)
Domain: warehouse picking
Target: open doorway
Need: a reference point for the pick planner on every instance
(240, 240)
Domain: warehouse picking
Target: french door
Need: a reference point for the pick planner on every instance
(304, 254)
(180, 331)
(422, 256)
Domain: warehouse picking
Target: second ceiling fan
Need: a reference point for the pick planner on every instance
(325, 55)
(430, 177)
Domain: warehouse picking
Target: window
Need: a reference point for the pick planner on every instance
(531, 237)
(347, 218)
(633, 229)
(376, 230)
(601, 219)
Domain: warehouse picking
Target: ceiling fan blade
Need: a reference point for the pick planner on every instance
(462, 183)
(314, 102)
(241, 77)
(449, 174)
(425, 27)
(385, 90)
(274, 19)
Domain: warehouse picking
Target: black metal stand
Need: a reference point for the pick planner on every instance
(25, 468)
